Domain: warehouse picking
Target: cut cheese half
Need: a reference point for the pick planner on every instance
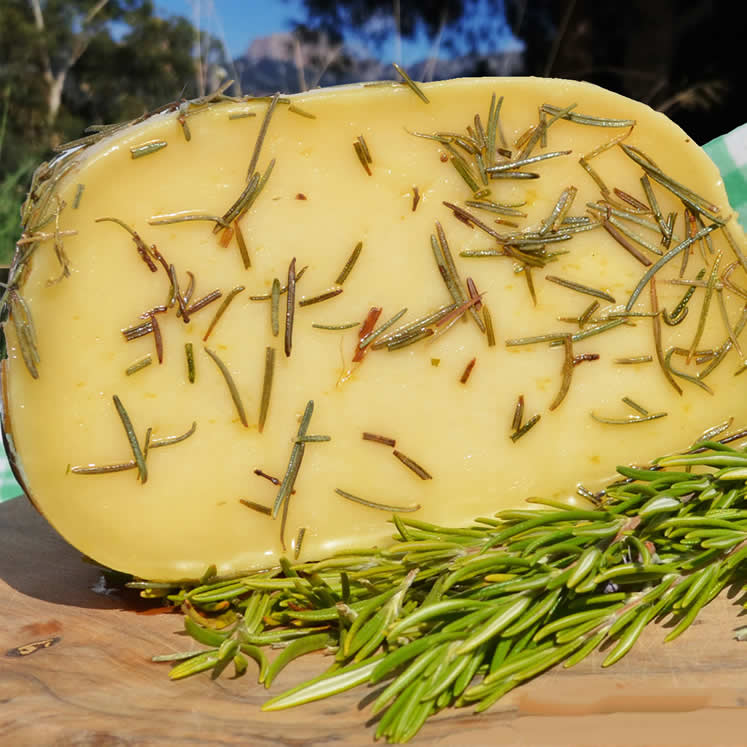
(378, 168)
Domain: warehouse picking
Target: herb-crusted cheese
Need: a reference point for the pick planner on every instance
(296, 235)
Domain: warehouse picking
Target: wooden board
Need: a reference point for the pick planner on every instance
(96, 686)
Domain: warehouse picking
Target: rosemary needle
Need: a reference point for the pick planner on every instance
(580, 288)
(145, 149)
(412, 465)
(294, 463)
(139, 365)
(190, 355)
(379, 439)
(222, 309)
(261, 136)
(132, 438)
(290, 307)
(414, 87)
(349, 264)
(258, 507)
(241, 242)
(105, 469)
(266, 386)
(231, 384)
(156, 443)
(374, 504)
(685, 244)
(323, 296)
(340, 326)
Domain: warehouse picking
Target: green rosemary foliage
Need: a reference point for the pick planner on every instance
(461, 616)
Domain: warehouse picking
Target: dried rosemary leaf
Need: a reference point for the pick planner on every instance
(349, 264)
(78, 195)
(634, 360)
(201, 303)
(566, 374)
(635, 406)
(463, 169)
(379, 506)
(275, 307)
(105, 469)
(231, 384)
(705, 307)
(324, 296)
(138, 365)
(625, 244)
(559, 211)
(298, 542)
(335, 327)
(526, 427)
(361, 153)
(222, 309)
(258, 507)
(727, 324)
(467, 371)
(648, 275)
(157, 443)
(294, 463)
(25, 331)
(368, 325)
(629, 420)
(412, 465)
(587, 119)
(495, 207)
(414, 328)
(186, 217)
(241, 114)
(414, 87)
(493, 171)
(518, 414)
(190, 356)
(489, 329)
(146, 149)
(261, 136)
(241, 242)
(290, 309)
(579, 288)
(264, 405)
(132, 438)
(369, 338)
(385, 440)
(295, 109)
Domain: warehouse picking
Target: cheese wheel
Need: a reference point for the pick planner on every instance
(196, 368)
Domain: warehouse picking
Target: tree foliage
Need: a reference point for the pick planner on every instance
(107, 60)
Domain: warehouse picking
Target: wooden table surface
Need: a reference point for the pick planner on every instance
(95, 684)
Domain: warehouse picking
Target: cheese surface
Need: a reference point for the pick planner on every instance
(317, 204)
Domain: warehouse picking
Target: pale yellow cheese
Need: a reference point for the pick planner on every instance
(188, 514)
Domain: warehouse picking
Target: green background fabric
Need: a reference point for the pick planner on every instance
(728, 152)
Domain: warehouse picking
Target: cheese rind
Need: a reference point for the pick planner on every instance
(317, 204)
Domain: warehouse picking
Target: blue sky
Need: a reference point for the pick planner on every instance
(237, 22)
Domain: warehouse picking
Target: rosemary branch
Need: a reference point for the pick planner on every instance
(461, 616)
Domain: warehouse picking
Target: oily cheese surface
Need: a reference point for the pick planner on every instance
(317, 204)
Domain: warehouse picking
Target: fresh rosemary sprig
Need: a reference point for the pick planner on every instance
(461, 616)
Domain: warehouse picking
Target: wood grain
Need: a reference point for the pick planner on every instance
(96, 685)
